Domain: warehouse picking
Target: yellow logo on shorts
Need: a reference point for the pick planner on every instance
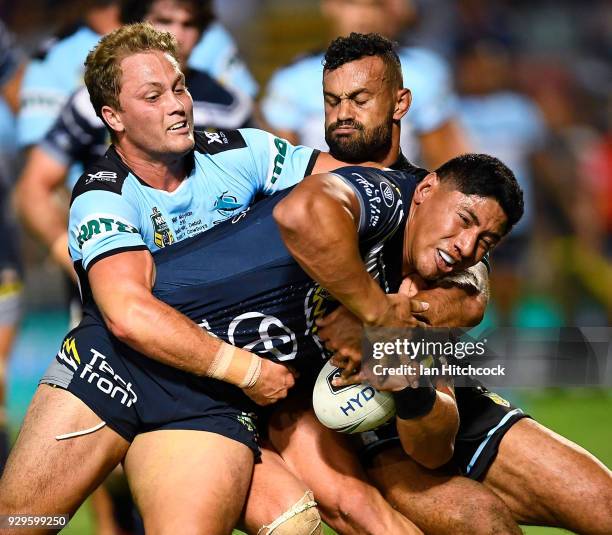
(497, 399)
(246, 419)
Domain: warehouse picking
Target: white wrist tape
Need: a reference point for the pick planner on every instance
(236, 366)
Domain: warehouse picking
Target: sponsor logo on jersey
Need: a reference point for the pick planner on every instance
(279, 159)
(100, 373)
(101, 176)
(41, 101)
(162, 235)
(69, 354)
(213, 137)
(372, 197)
(274, 337)
(214, 141)
(99, 224)
(225, 204)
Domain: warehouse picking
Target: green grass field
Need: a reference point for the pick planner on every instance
(581, 415)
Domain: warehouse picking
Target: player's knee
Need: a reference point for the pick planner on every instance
(488, 514)
(301, 518)
(355, 508)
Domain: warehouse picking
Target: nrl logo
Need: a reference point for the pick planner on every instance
(162, 235)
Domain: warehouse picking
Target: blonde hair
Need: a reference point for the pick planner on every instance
(103, 63)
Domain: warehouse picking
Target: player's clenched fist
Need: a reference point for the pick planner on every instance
(273, 383)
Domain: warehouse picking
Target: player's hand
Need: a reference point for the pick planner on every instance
(346, 379)
(412, 284)
(341, 331)
(272, 385)
(401, 311)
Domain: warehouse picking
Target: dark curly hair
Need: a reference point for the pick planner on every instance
(486, 176)
(359, 45)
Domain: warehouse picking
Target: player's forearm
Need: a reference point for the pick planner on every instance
(453, 307)
(459, 300)
(157, 330)
(35, 199)
(121, 286)
(430, 439)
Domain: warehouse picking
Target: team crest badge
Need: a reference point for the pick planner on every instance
(497, 399)
(226, 204)
(162, 235)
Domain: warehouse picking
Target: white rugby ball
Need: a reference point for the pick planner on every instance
(350, 409)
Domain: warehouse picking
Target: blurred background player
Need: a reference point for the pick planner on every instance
(292, 106)
(10, 265)
(52, 75)
(56, 70)
(504, 122)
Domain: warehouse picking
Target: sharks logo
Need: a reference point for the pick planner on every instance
(226, 204)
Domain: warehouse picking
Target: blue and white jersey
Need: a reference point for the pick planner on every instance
(48, 82)
(510, 126)
(217, 54)
(113, 210)
(294, 98)
(9, 61)
(79, 135)
(240, 282)
(8, 148)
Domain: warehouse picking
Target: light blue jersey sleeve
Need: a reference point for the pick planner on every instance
(429, 78)
(278, 163)
(48, 83)
(41, 101)
(217, 54)
(102, 222)
(294, 94)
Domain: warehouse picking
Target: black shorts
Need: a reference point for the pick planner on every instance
(484, 417)
(134, 394)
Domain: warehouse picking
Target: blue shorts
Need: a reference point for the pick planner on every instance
(134, 394)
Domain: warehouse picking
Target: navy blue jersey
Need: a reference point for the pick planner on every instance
(239, 281)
